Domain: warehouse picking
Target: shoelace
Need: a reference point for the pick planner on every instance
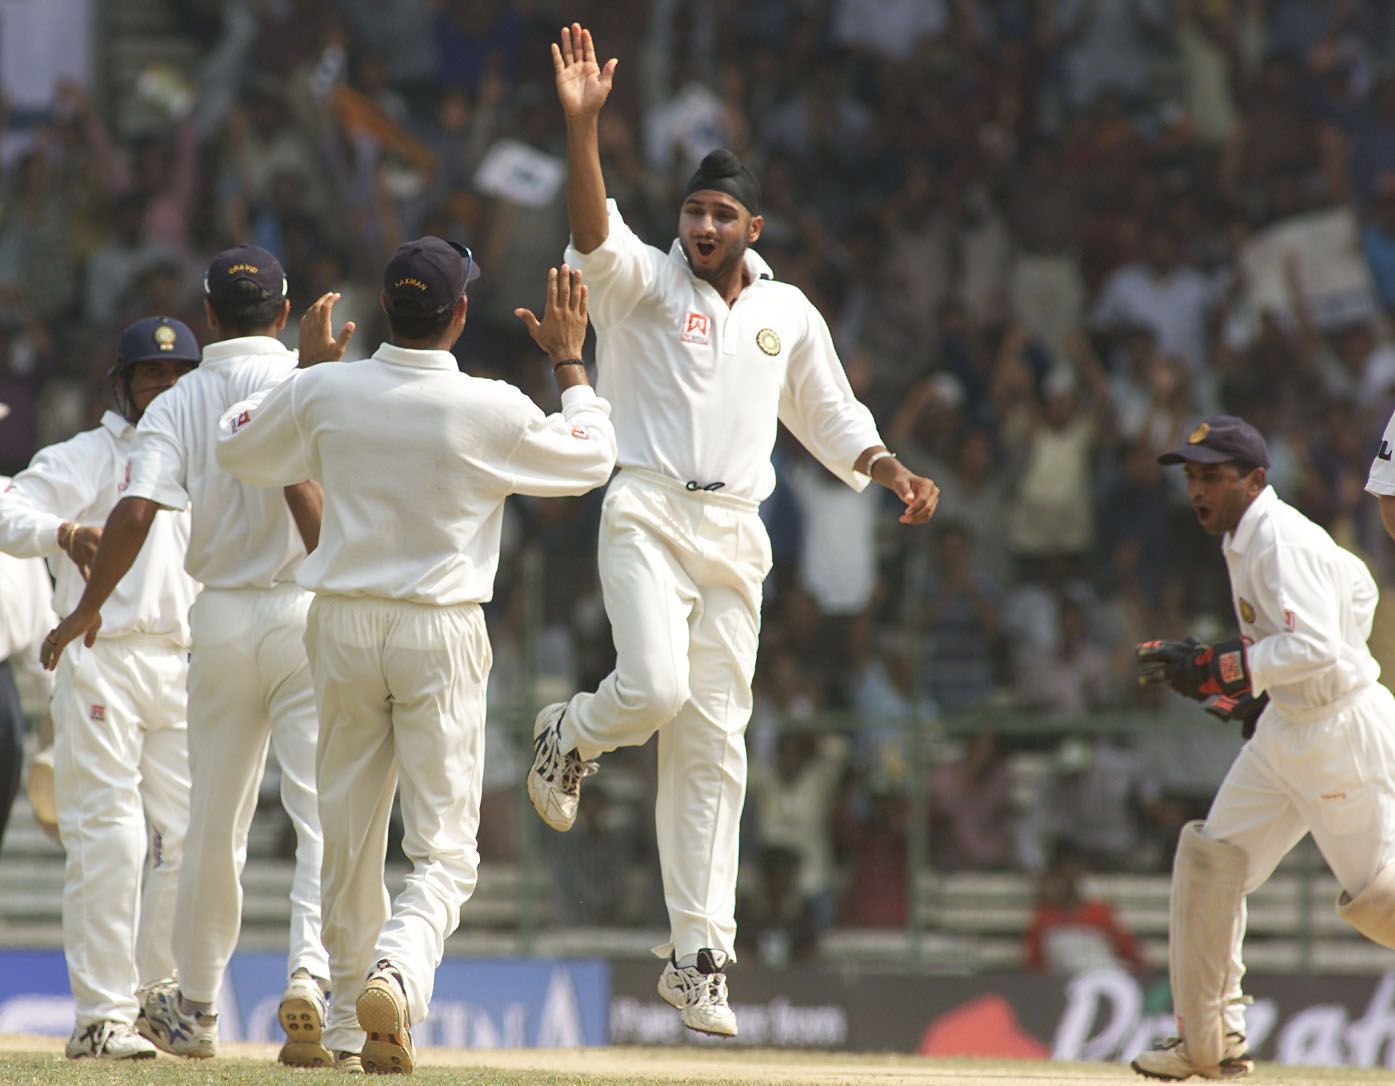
(717, 988)
(699, 988)
(573, 770)
(567, 769)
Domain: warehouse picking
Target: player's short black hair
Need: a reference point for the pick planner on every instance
(245, 309)
(418, 327)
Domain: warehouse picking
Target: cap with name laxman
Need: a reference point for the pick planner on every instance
(427, 275)
(1219, 439)
(154, 338)
(245, 264)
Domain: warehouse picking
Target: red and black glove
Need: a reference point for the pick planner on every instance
(1242, 707)
(1193, 669)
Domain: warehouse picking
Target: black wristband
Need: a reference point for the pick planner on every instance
(568, 362)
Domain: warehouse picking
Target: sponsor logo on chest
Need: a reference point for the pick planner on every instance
(697, 328)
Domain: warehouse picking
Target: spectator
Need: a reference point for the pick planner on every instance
(1070, 933)
(963, 623)
(1073, 677)
(793, 802)
(777, 920)
(971, 814)
(1098, 799)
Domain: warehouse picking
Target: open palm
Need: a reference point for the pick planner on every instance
(582, 84)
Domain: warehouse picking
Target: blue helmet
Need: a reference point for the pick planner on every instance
(149, 339)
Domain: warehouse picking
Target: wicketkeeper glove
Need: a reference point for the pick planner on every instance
(1242, 707)
(1193, 669)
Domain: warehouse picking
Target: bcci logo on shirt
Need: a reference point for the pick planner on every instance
(1247, 610)
(768, 341)
(697, 328)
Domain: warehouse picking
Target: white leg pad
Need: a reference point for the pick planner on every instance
(1372, 912)
(1208, 887)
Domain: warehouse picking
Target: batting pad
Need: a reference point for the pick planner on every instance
(1372, 912)
(1208, 886)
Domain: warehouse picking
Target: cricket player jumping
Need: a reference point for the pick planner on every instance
(700, 351)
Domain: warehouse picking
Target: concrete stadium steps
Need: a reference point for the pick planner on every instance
(974, 920)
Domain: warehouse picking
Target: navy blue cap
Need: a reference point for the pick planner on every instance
(1218, 439)
(427, 275)
(152, 338)
(245, 264)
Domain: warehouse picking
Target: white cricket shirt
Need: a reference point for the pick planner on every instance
(26, 605)
(1305, 607)
(416, 459)
(696, 385)
(80, 480)
(242, 536)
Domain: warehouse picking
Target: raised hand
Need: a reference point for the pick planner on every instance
(562, 330)
(318, 342)
(582, 84)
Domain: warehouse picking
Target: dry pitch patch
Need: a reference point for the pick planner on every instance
(38, 1061)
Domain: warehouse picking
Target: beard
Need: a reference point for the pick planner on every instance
(720, 271)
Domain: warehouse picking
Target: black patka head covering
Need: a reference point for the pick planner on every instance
(722, 171)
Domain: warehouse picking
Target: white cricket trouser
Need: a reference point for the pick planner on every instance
(681, 572)
(119, 759)
(249, 688)
(1331, 774)
(401, 692)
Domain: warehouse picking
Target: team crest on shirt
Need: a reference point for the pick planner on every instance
(1247, 610)
(697, 328)
(768, 341)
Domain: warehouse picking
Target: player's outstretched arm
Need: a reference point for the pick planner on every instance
(122, 539)
(583, 85)
(919, 494)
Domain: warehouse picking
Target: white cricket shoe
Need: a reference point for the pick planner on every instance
(165, 1023)
(107, 1040)
(699, 992)
(1168, 1060)
(383, 1015)
(302, 1013)
(554, 779)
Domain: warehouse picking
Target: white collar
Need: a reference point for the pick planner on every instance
(418, 359)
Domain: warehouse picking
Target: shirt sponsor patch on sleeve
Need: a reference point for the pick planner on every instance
(243, 418)
(1290, 621)
(580, 432)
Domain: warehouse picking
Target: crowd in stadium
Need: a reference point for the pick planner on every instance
(1048, 235)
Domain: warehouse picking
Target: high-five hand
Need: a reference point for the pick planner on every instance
(562, 330)
(582, 84)
(318, 342)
